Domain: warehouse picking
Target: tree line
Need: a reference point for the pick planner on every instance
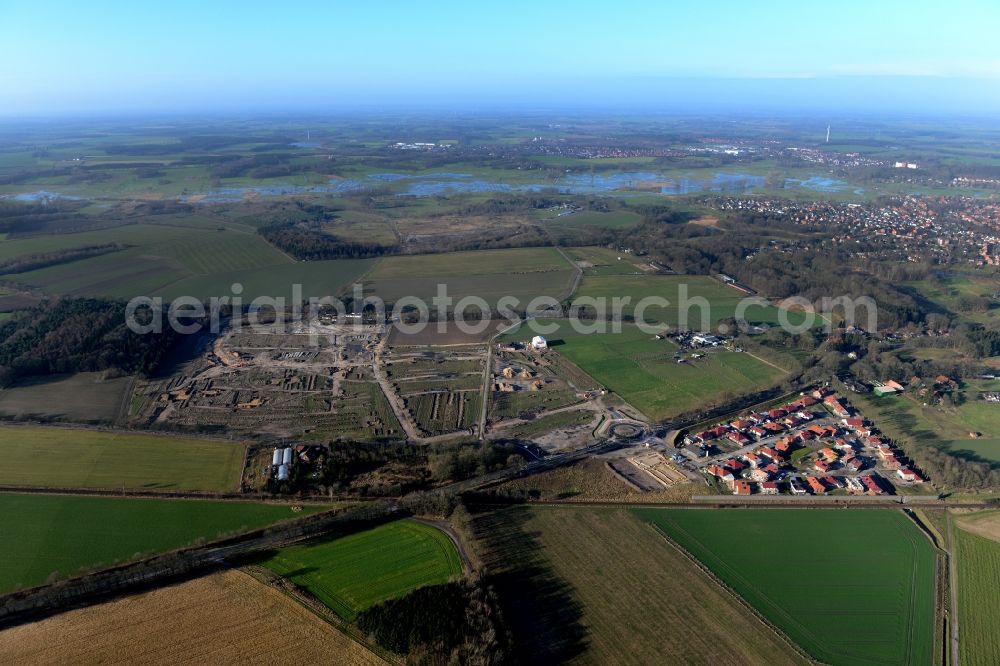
(77, 335)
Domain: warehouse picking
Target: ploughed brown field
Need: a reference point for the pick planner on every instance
(225, 618)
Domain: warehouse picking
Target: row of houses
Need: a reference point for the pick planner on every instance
(812, 485)
(857, 485)
(890, 457)
(756, 426)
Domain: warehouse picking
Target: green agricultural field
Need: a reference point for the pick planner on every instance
(355, 572)
(643, 372)
(619, 219)
(905, 417)
(317, 279)
(77, 458)
(156, 256)
(489, 274)
(581, 585)
(695, 301)
(978, 563)
(43, 534)
(850, 587)
(458, 264)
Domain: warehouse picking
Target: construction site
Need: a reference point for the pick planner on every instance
(312, 382)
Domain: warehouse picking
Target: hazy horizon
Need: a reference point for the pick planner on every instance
(118, 57)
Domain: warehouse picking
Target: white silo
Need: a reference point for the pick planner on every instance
(276, 458)
(286, 456)
(283, 473)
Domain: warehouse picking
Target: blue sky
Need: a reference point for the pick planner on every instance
(178, 55)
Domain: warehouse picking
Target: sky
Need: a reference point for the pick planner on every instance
(216, 55)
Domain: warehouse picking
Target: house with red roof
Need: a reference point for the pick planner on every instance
(741, 487)
(815, 485)
(769, 488)
(822, 466)
(791, 421)
(738, 438)
(829, 454)
(871, 485)
(909, 475)
(836, 406)
(771, 453)
(734, 465)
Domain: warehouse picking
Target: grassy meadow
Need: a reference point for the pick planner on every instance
(355, 572)
(603, 261)
(962, 295)
(643, 372)
(695, 301)
(907, 417)
(43, 534)
(78, 458)
(850, 587)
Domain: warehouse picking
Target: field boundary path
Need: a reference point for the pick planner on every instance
(316, 607)
(446, 527)
(577, 273)
(949, 537)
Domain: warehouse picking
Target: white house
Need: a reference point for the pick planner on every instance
(538, 342)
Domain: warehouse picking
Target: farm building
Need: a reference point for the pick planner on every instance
(538, 343)
(706, 340)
